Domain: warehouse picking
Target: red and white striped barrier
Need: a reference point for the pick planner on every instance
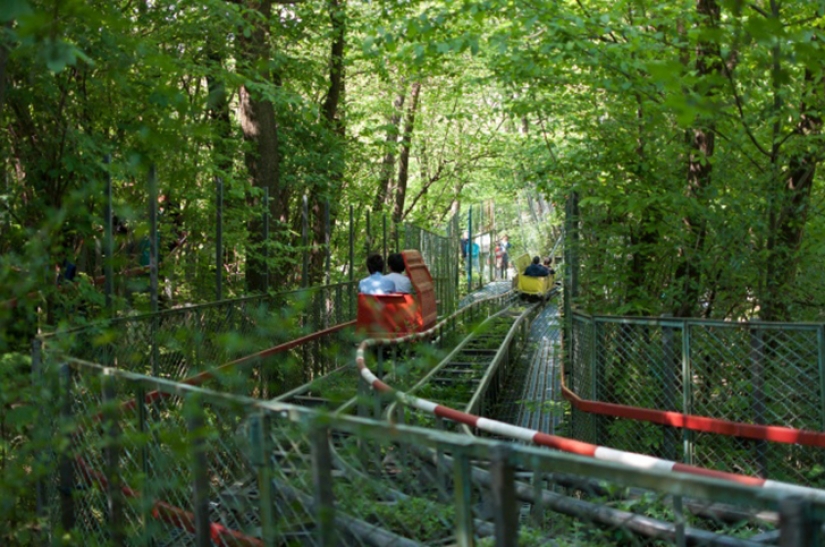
(572, 446)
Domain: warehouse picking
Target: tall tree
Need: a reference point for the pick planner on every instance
(404, 156)
(323, 197)
(700, 143)
(260, 131)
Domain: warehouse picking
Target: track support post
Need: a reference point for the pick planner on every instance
(441, 464)
(322, 485)
(503, 494)
(797, 525)
(66, 466)
(114, 494)
(259, 440)
(463, 499)
(200, 474)
(40, 430)
(537, 509)
(145, 465)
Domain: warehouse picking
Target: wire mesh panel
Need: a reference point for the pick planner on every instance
(582, 426)
(146, 461)
(749, 373)
(759, 374)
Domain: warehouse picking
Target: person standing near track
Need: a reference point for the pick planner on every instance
(505, 256)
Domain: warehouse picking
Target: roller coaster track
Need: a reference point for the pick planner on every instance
(477, 364)
(311, 395)
(474, 374)
(502, 429)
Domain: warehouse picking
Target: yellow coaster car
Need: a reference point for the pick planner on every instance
(532, 286)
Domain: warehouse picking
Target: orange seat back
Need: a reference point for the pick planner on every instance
(422, 282)
(388, 315)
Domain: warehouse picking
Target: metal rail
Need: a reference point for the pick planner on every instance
(481, 361)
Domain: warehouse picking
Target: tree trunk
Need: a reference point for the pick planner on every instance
(644, 238)
(788, 225)
(333, 120)
(260, 131)
(404, 156)
(388, 164)
(4, 57)
(219, 115)
(700, 141)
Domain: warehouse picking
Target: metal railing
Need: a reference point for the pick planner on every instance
(199, 467)
(757, 373)
(181, 342)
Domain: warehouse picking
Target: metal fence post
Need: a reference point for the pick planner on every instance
(470, 250)
(109, 241)
(322, 485)
(146, 508)
(503, 490)
(463, 499)
(568, 337)
(327, 240)
(266, 240)
(218, 238)
(757, 367)
(679, 514)
(797, 526)
(820, 339)
(597, 377)
(480, 241)
(305, 242)
(153, 238)
(537, 509)
(259, 441)
(153, 270)
(570, 361)
(351, 298)
(687, 392)
(66, 465)
(668, 382)
(200, 475)
(37, 377)
(441, 464)
(114, 494)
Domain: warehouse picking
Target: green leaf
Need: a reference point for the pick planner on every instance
(12, 9)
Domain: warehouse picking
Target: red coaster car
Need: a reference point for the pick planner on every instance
(394, 315)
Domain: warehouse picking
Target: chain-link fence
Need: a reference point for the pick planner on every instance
(182, 342)
(751, 373)
(194, 467)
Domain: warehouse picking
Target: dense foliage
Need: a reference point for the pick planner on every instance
(690, 135)
(684, 138)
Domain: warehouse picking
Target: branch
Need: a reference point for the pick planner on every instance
(546, 141)
(587, 14)
(758, 10)
(738, 100)
(726, 138)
